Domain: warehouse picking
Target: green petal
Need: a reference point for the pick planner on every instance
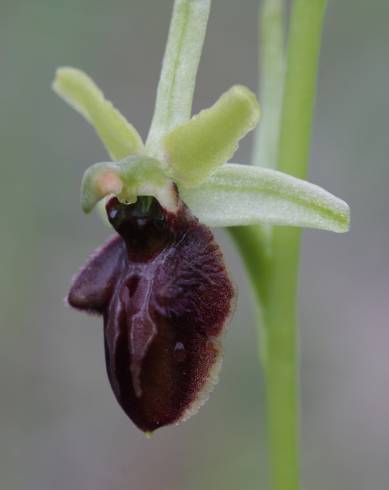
(99, 180)
(244, 195)
(78, 90)
(127, 179)
(178, 75)
(195, 149)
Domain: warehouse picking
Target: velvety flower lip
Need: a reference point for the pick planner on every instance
(165, 296)
(93, 287)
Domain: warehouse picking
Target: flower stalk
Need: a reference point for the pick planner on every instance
(278, 271)
(282, 372)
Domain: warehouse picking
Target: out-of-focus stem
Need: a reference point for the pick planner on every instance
(274, 274)
(282, 370)
(271, 76)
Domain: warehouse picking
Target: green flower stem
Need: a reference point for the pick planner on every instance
(282, 361)
(251, 242)
(277, 282)
(282, 372)
(281, 312)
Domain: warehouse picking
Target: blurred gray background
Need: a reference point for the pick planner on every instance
(60, 427)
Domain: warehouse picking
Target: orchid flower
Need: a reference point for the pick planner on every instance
(161, 283)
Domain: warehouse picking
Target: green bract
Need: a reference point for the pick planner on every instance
(192, 153)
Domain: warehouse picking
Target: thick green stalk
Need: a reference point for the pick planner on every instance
(282, 361)
(282, 370)
(274, 275)
(252, 241)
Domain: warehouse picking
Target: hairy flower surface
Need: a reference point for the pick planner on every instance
(165, 296)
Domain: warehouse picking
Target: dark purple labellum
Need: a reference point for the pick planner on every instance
(165, 295)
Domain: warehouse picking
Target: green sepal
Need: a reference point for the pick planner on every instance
(179, 69)
(245, 195)
(80, 92)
